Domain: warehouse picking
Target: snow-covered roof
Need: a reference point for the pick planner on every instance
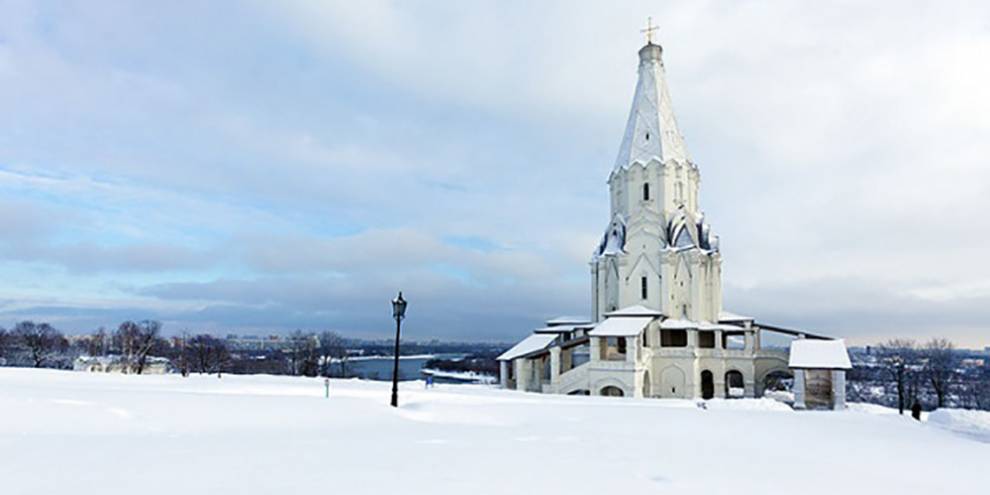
(730, 316)
(563, 328)
(823, 354)
(678, 324)
(533, 343)
(614, 240)
(621, 327)
(637, 310)
(567, 320)
(651, 131)
(706, 325)
(681, 324)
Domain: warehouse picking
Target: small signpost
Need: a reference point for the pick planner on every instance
(326, 383)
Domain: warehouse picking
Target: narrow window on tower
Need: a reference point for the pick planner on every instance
(642, 287)
(646, 191)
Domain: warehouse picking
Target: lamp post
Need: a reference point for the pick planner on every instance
(398, 312)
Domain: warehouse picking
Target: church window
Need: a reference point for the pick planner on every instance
(646, 191)
(642, 287)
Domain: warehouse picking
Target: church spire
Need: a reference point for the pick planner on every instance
(651, 131)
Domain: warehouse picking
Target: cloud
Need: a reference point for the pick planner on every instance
(300, 164)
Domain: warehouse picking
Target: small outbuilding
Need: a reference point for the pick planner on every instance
(819, 373)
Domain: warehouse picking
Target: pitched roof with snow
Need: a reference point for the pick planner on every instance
(651, 131)
(621, 327)
(819, 354)
(531, 344)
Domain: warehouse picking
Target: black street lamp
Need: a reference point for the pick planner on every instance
(398, 312)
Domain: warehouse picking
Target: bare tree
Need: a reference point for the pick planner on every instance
(303, 354)
(330, 347)
(97, 344)
(182, 354)
(207, 354)
(136, 341)
(940, 366)
(43, 342)
(897, 357)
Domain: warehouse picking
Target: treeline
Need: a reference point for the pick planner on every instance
(930, 374)
(134, 345)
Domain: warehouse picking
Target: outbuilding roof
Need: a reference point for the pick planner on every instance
(533, 343)
(819, 354)
(627, 326)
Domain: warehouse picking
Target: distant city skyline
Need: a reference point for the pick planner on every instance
(267, 167)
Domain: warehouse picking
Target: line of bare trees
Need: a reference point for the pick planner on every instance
(933, 366)
(132, 344)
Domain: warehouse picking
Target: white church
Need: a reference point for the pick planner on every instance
(657, 327)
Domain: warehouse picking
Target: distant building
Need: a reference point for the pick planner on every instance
(116, 364)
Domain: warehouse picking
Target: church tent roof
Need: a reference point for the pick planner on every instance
(621, 327)
(651, 131)
(819, 354)
(531, 344)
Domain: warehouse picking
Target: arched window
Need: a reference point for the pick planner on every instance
(642, 287)
(646, 191)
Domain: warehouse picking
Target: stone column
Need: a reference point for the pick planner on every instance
(692, 339)
(838, 389)
(522, 374)
(748, 339)
(554, 367)
(718, 339)
(798, 389)
(503, 374)
(596, 348)
(632, 349)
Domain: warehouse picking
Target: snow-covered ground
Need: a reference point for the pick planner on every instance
(83, 433)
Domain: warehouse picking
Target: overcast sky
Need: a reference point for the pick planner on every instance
(258, 167)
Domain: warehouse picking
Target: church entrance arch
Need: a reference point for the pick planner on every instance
(611, 391)
(707, 385)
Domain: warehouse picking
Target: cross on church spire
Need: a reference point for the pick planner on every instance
(649, 30)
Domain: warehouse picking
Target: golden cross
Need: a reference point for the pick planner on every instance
(650, 28)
